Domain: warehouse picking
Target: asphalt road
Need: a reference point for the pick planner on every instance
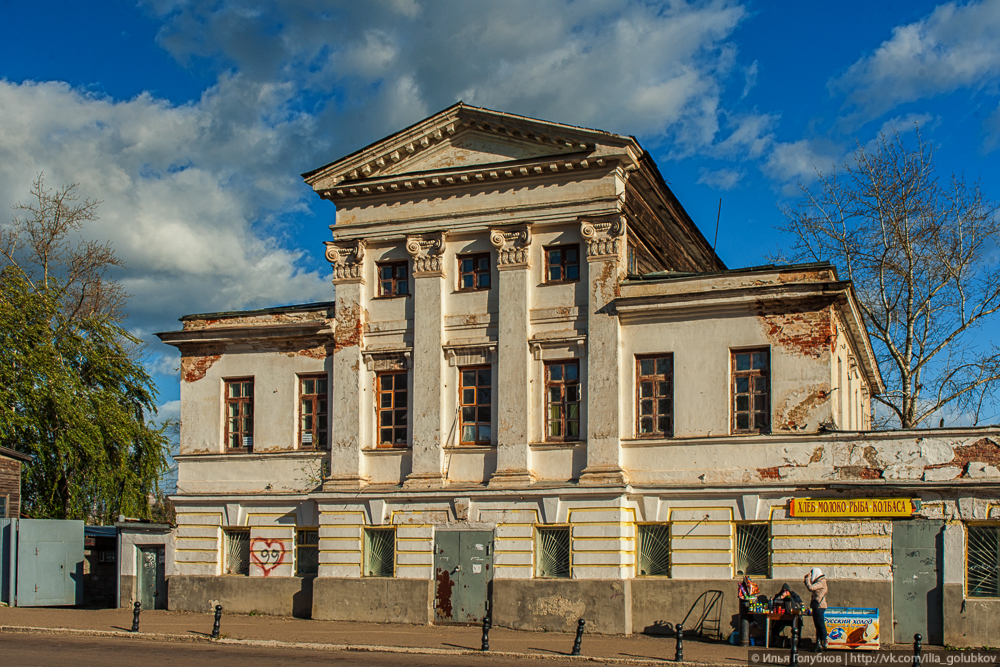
(31, 650)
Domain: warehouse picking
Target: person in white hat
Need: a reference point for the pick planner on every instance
(816, 583)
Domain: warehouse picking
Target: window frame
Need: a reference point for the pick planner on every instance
(643, 526)
(310, 545)
(396, 279)
(228, 534)
(751, 374)
(979, 525)
(366, 550)
(476, 272)
(562, 384)
(770, 549)
(318, 443)
(563, 263)
(656, 378)
(477, 406)
(227, 400)
(379, 391)
(537, 550)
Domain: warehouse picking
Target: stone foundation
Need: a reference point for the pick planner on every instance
(373, 600)
(276, 596)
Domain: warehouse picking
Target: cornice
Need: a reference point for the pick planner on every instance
(269, 332)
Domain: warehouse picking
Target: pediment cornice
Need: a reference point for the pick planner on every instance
(387, 158)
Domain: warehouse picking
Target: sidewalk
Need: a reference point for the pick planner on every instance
(360, 636)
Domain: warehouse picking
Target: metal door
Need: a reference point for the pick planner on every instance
(916, 581)
(463, 569)
(152, 584)
(49, 563)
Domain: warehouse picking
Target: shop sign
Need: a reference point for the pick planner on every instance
(850, 628)
(863, 507)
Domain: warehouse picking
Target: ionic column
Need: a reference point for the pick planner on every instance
(513, 362)
(426, 403)
(345, 406)
(604, 247)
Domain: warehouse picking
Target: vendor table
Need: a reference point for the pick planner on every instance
(777, 616)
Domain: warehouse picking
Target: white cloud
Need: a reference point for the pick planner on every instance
(909, 123)
(720, 179)
(798, 162)
(751, 79)
(954, 47)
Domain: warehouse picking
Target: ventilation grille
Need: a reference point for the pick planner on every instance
(984, 556)
(307, 553)
(238, 552)
(654, 551)
(752, 549)
(553, 552)
(380, 552)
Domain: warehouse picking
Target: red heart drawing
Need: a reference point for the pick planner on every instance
(268, 554)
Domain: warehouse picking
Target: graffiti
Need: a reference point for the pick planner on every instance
(268, 554)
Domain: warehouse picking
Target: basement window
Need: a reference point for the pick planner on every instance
(380, 552)
(753, 549)
(983, 562)
(307, 552)
(654, 550)
(237, 551)
(552, 552)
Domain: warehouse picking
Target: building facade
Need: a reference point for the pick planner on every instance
(539, 392)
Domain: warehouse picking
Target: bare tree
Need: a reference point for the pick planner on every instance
(923, 257)
(44, 247)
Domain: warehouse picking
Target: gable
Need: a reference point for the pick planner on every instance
(470, 148)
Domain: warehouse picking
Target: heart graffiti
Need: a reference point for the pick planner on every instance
(268, 554)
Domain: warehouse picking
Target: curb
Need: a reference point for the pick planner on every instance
(361, 648)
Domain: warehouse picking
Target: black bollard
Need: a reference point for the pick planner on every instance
(487, 624)
(135, 616)
(218, 619)
(793, 660)
(917, 638)
(679, 653)
(579, 637)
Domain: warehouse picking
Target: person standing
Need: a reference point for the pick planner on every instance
(816, 583)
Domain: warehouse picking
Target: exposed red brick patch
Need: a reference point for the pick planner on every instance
(314, 352)
(347, 332)
(858, 472)
(983, 450)
(799, 329)
(195, 368)
(770, 474)
(798, 416)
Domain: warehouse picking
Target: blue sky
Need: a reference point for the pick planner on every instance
(192, 119)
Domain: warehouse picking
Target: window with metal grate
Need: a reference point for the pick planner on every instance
(238, 551)
(552, 552)
(753, 549)
(307, 552)
(380, 552)
(654, 550)
(983, 562)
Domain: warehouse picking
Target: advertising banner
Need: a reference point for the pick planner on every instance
(852, 628)
(849, 507)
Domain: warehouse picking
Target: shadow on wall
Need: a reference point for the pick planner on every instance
(704, 617)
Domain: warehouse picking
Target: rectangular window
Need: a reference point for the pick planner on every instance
(239, 414)
(654, 550)
(562, 263)
(552, 552)
(753, 549)
(983, 562)
(393, 279)
(751, 391)
(392, 408)
(562, 396)
(313, 401)
(307, 552)
(237, 551)
(655, 396)
(380, 552)
(476, 399)
(474, 272)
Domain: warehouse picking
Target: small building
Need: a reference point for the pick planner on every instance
(10, 482)
(539, 392)
(145, 561)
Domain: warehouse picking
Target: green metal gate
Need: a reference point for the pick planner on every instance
(49, 565)
(152, 582)
(917, 574)
(463, 569)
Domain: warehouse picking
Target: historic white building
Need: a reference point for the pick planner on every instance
(538, 385)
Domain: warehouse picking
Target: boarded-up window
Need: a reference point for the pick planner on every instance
(307, 552)
(751, 391)
(392, 408)
(983, 562)
(654, 396)
(237, 551)
(476, 398)
(239, 414)
(552, 552)
(562, 400)
(313, 412)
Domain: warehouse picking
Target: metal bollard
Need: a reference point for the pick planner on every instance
(917, 638)
(487, 624)
(218, 619)
(793, 660)
(679, 653)
(579, 637)
(135, 616)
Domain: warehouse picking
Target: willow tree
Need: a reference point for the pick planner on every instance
(924, 257)
(74, 394)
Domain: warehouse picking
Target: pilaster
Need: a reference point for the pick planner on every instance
(346, 427)
(513, 362)
(426, 403)
(604, 264)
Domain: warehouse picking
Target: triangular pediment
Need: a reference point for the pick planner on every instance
(460, 137)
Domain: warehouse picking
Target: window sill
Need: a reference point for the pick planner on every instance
(381, 297)
(471, 448)
(388, 450)
(557, 444)
(558, 282)
(471, 289)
